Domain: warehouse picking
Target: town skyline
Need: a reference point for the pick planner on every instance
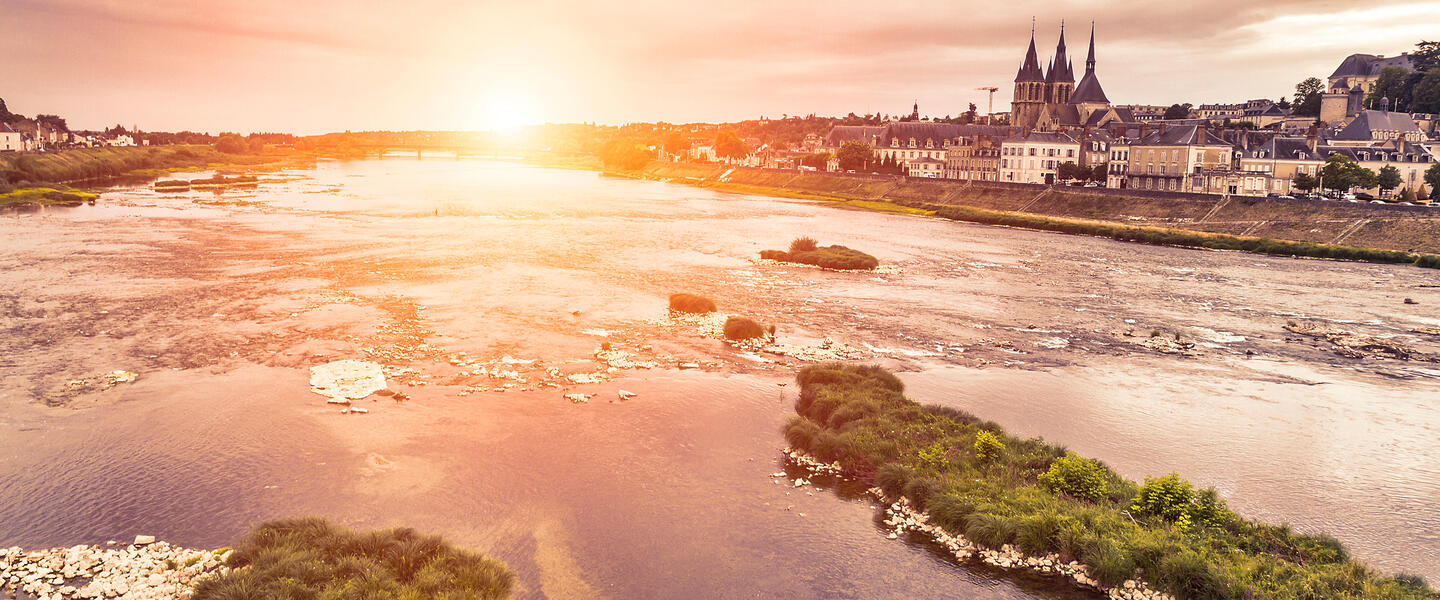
(331, 67)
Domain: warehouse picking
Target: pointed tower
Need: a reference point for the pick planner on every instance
(1029, 96)
(1089, 94)
(1060, 82)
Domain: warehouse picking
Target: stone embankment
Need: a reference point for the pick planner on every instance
(903, 519)
(145, 570)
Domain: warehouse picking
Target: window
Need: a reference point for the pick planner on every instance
(1069, 153)
(1032, 152)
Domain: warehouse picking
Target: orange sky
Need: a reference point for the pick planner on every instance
(319, 65)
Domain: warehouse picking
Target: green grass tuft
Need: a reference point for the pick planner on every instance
(312, 558)
(743, 328)
(690, 303)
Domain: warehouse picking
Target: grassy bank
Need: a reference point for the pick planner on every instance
(311, 558)
(995, 489)
(1187, 238)
(32, 170)
(58, 195)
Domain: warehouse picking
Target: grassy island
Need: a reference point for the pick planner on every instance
(312, 558)
(806, 251)
(690, 303)
(745, 328)
(54, 195)
(977, 481)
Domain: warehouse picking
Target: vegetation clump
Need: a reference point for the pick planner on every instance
(690, 303)
(806, 251)
(1043, 499)
(744, 328)
(312, 558)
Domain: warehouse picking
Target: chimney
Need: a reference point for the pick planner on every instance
(1200, 133)
(1312, 138)
(1163, 127)
(1144, 130)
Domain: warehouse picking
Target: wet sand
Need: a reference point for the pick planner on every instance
(220, 301)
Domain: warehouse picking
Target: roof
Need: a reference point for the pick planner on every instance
(1369, 65)
(1060, 69)
(1041, 137)
(844, 133)
(1369, 121)
(1297, 148)
(1182, 135)
(1030, 69)
(923, 159)
(1089, 90)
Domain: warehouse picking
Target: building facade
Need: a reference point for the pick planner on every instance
(1035, 157)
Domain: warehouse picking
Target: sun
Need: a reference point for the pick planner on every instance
(507, 110)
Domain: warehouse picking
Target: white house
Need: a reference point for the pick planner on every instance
(1035, 157)
(10, 140)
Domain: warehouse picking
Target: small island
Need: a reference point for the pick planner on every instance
(806, 251)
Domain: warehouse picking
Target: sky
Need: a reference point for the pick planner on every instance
(314, 66)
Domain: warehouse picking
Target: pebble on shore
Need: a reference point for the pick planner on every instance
(146, 570)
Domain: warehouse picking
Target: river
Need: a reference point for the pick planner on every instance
(220, 300)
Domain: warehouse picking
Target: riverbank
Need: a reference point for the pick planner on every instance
(986, 490)
(145, 570)
(18, 171)
(1332, 230)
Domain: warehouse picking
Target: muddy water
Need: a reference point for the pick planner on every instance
(221, 300)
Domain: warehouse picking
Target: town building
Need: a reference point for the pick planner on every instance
(1036, 156)
(1352, 81)
(1184, 158)
(973, 158)
(11, 140)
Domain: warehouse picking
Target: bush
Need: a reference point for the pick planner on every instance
(232, 144)
(1077, 476)
(742, 328)
(1187, 575)
(690, 303)
(1038, 535)
(1108, 563)
(311, 558)
(920, 490)
(987, 446)
(803, 244)
(1169, 497)
(892, 478)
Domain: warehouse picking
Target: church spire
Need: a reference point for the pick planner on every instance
(1061, 63)
(1090, 59)
(1030, 69)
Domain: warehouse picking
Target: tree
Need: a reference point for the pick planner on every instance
(230, 143)
(1388, 178)
(1340, 174)
(1099, 173)
(1432, 178)
(54, 122)
(4, 112)
(624, 154)
(1304, 182)
(1069, 170)
(853, 155)
(1425, 96)
(676, 143)
(968, 116)
(1178, 111)
(1307, 97)
(1284, 104)
(1393, 83)
(118, 130)
(729, 145)
(818, 160)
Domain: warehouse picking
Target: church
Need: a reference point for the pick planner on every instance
(1049, 99)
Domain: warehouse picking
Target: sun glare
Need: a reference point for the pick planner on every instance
(500, 111)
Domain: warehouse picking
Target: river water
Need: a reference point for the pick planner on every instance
(220, 300)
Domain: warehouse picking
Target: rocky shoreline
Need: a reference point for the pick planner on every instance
(144, 570)
(903, 519)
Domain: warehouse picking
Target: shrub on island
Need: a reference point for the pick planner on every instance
(1043, 499)
(805, 251)
(312, 558)
(690, 303)
(744, 328)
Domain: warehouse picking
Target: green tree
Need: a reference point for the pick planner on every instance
(1304, 182)
(987, 446)
(1393, 83)
(1425, 97)
(1099, 173)
(230, 143)
(4, 112)
(1432, 179)
(624, 153)
(1069, 170)
(1307, 97)
(1284, 104)
(675, 143)
(853, 155)
(1178, 111)
(729, 145)
(818, 160)
(969, 116)
(1341, 174)
(1388, 178)
(54, 122)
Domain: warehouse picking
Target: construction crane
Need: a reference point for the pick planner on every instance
(991, 110)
